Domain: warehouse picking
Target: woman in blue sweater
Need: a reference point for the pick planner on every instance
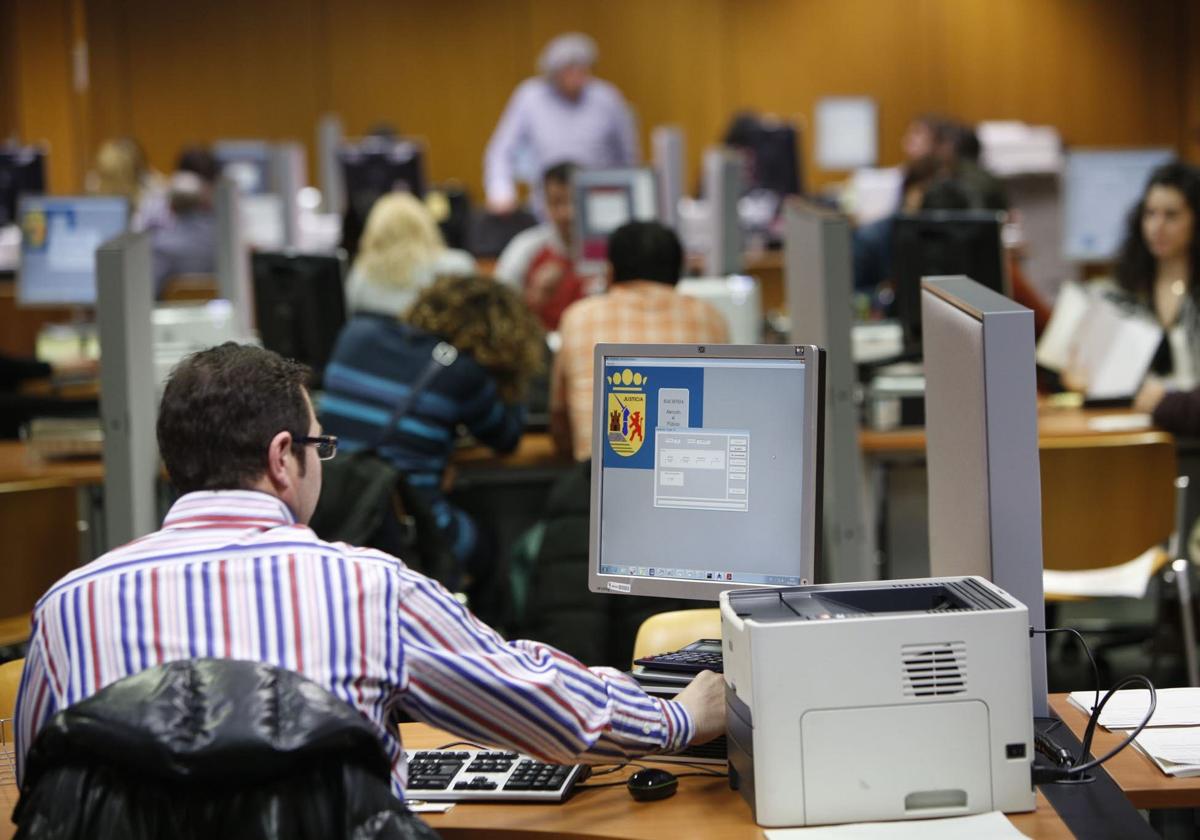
(378, 357)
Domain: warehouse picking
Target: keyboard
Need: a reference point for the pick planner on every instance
(488, 776)
(701, 655)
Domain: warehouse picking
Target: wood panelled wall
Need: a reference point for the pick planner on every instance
(1106, 72)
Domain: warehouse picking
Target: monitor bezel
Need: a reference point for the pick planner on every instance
(23, 201)
(811, 440)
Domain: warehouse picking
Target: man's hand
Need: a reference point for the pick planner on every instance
(704, 698)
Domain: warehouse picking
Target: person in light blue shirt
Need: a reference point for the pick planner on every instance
(565, 114)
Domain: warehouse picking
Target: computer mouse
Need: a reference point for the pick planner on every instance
(652, 783)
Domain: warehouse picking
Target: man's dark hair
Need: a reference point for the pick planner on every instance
(199, 160)
(559, 173)
(219, 411)
(645, 251)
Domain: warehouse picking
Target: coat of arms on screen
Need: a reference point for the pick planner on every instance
(626, 412)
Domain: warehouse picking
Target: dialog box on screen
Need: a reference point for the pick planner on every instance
(701, 469)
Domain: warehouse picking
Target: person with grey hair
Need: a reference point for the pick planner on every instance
(563, 115)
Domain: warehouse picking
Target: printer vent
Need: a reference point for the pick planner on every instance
(934, 669)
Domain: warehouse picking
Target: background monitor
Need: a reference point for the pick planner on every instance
(944, 242)
(59, 238)
(605, 199)
(737, 297)
(300, 305)
(1099, 189)
(985, 508)
(374, 167)
(707, 465)
(247, 163)
(22, 172)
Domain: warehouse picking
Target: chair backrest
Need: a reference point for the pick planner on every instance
(10, 681)
(1105, 499)
(670, 631)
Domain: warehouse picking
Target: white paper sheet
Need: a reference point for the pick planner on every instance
(1128, 580)
(1054, 347)
(1176, 707)
(1174, 744)
(990, 826)
(1114, 349)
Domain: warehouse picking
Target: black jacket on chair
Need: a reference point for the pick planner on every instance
(211, 748)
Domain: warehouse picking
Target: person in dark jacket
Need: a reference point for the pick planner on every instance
(201, 748)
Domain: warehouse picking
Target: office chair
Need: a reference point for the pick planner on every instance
(211, 748)
(670, 631)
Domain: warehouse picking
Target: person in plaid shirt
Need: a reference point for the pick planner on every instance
(640, 307)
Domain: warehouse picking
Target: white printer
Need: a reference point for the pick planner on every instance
(878, 701)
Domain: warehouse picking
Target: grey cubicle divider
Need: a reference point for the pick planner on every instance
(723, 188)
(233, 255)
(981, 432)
(669, 156)
(818, 276)
(329, 169)
(128, 409)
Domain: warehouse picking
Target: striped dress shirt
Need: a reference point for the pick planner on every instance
(233, 575)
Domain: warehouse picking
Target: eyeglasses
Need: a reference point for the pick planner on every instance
(326, 445)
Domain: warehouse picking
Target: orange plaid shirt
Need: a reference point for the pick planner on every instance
(636, 311)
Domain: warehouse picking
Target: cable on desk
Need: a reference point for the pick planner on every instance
(1083, 643)
(623, 783)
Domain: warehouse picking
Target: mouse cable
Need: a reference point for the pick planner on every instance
(625, 782)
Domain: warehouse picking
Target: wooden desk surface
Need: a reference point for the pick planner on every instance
(19, 464)
(1057, 427)
(704, 808)
(1144, 784)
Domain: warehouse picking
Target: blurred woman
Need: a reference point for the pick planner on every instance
(122, 169)
(378, 357)
(401, 252)
(1158, 275)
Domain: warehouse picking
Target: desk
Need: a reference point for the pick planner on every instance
(1144, 784)
(703, 808)
(1106, 495)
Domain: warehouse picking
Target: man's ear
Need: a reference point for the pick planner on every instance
(278, 453)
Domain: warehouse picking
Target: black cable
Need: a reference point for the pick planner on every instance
(1086, 649)
(471, 744)
(1096, 762)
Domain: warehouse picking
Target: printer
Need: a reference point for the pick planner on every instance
(878, 701)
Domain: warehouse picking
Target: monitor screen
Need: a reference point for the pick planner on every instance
(59, 238)
(707, 468)
(1099, 190)
(605, 199)
(247, 163)
(299, 305)
(941, 242)
(377, 166)
(22, 172)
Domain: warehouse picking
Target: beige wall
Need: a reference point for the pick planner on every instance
(1106, 72)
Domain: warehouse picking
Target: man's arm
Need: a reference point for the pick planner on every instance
(36, 702)
(462, 676)
(501, 149)
(626, 133)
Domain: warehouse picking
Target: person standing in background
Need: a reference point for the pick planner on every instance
(565, 114)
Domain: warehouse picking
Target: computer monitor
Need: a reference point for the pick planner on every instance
(737, 297)
(605, 199)
(300, 305)
(944, 242)
(59, 238)
(981, 430)
(1099, 189)
(707, 468)
(376, 166)
(247, 163)
(22, 172)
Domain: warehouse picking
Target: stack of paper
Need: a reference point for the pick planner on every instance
(1172, 738)
(990, 826)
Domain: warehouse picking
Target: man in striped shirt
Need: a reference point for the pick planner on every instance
(236, 573)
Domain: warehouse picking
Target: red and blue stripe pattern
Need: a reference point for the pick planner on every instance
(232, 575)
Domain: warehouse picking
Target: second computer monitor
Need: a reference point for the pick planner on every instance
(22, 172)
(605, 199)
(300, 305)
(706, 468)
(59, 238)
(943, 242)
